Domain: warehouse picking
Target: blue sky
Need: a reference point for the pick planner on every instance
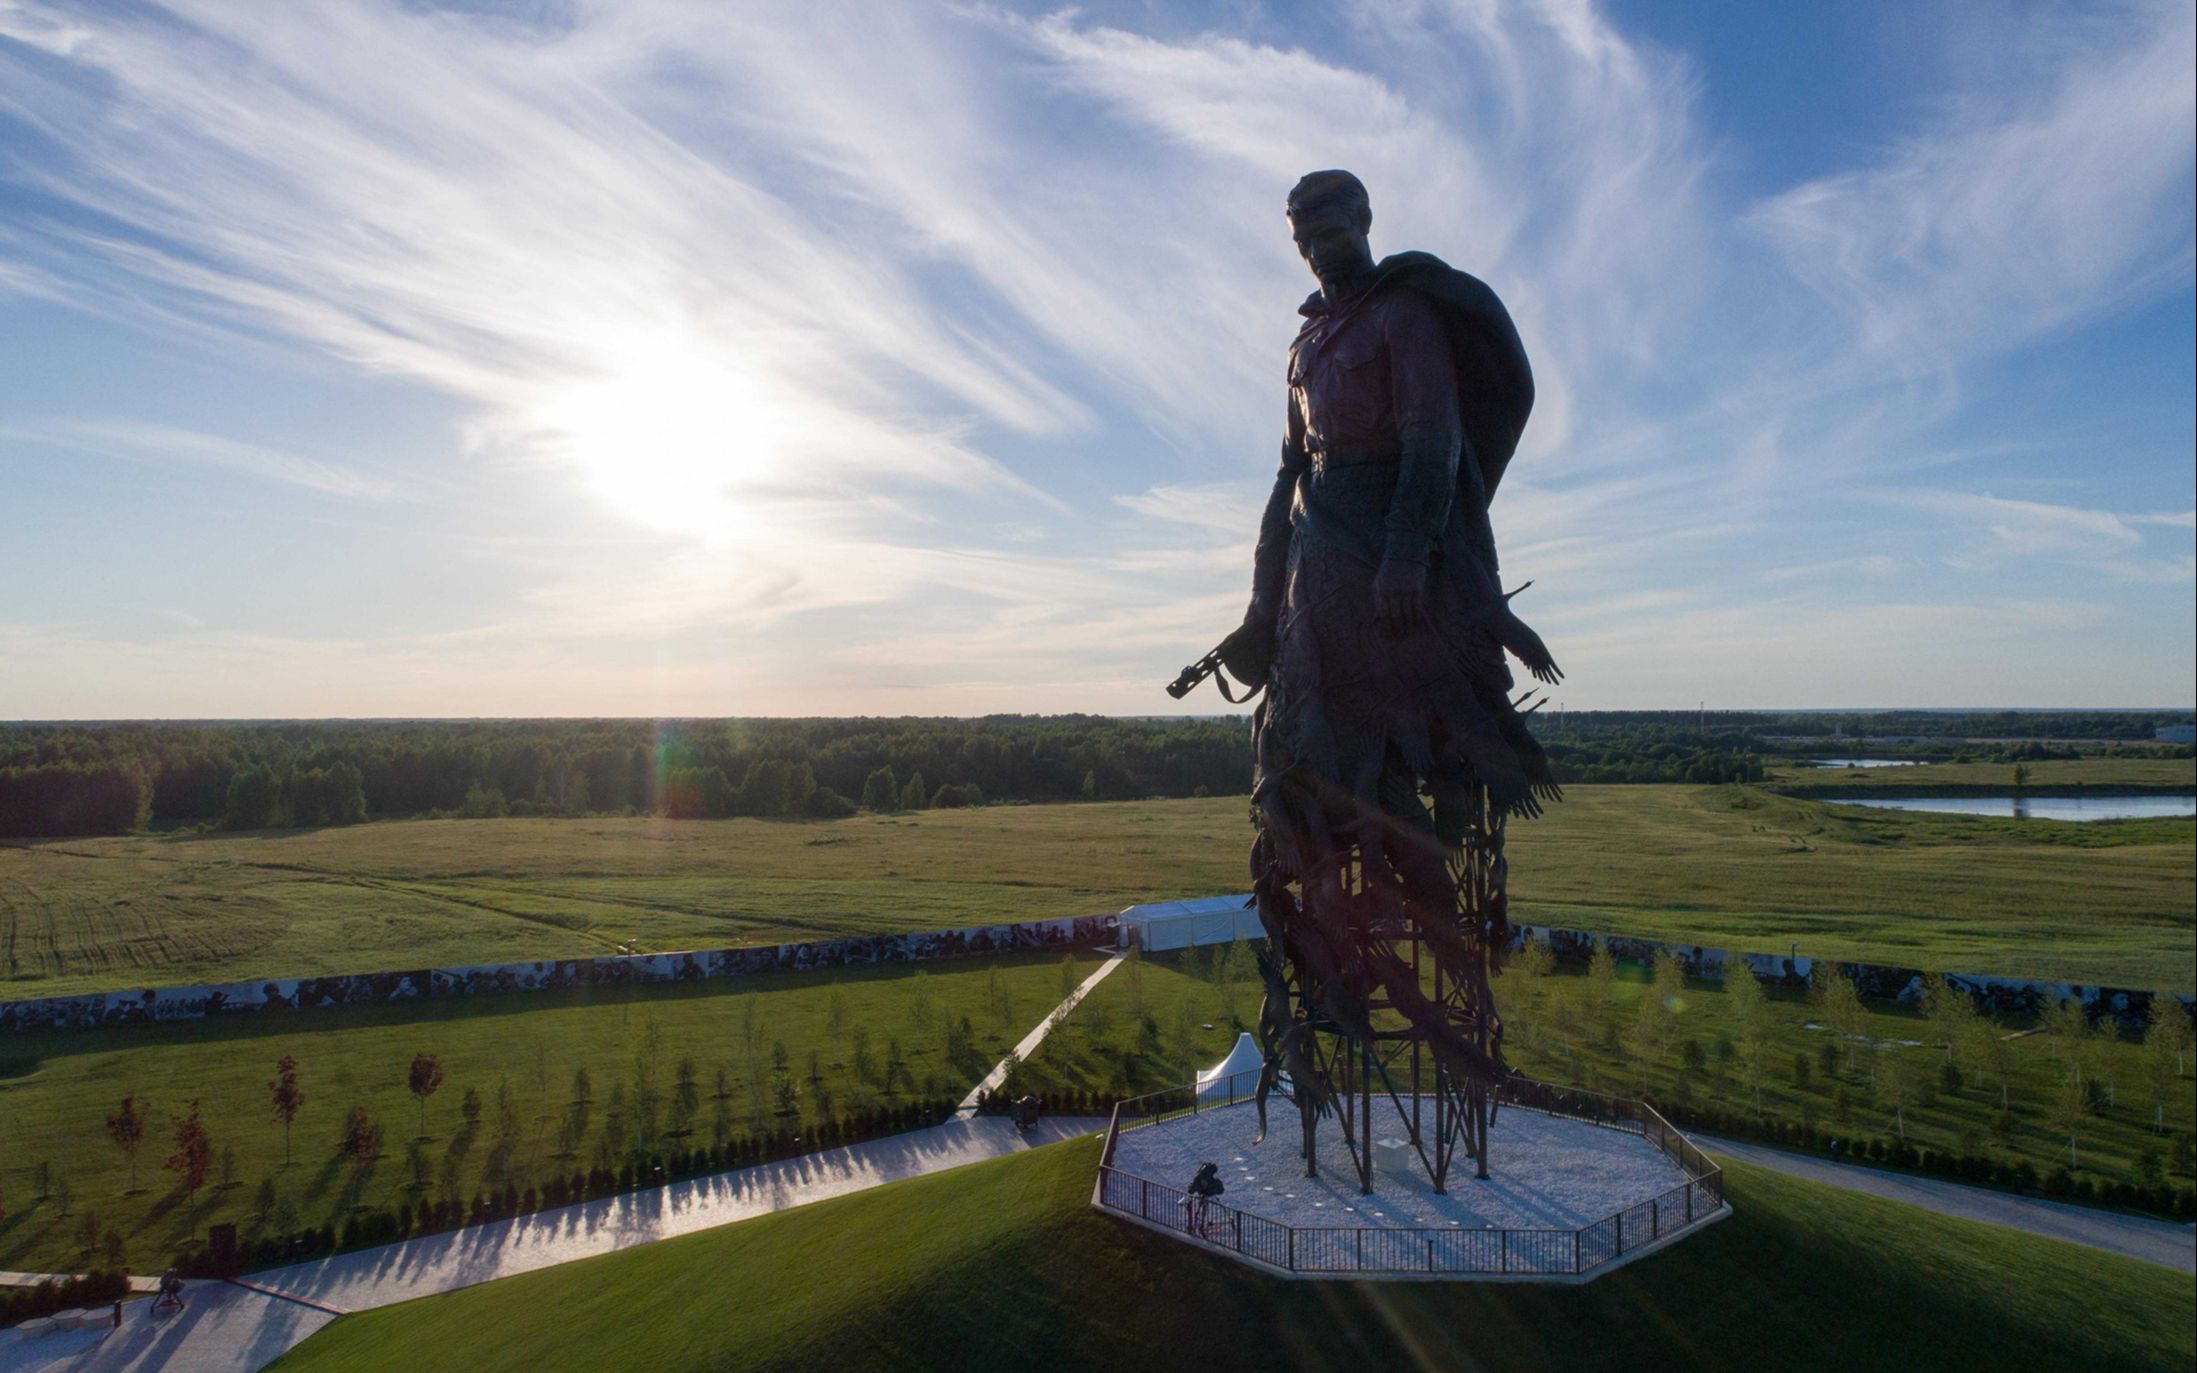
(698, 359)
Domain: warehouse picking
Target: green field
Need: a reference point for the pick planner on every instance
(1727, 866)
(56, 1091)
(78, 915)
(1553, 1033)
(2043, 775)
(1005, 1266)
(1148, 1026)
(1741, 867)
(1892, 1087)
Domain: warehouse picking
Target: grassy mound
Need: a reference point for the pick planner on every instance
(1004, 1266)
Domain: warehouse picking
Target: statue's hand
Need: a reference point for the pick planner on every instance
(1399, 594)
(1248, 654)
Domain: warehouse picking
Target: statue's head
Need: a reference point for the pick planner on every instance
(1329, 216)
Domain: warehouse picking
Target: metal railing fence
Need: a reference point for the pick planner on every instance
(1375, 1250)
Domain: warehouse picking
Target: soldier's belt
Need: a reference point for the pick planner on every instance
(1329, 459)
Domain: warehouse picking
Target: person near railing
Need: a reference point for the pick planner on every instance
(1198, 1196)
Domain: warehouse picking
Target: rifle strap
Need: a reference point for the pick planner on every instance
(1220, 679)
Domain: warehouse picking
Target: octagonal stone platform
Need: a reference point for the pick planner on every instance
(1567, 1198)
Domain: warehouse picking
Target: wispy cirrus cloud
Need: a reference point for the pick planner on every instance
(160, 443)
(1871, 565)
(1231, 508)
(1993, 531)
(2029, 208)
(488, 207)
(2018, 526)
(951, 337)
(2168, 571)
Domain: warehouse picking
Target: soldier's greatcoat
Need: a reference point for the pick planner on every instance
(1406, 401)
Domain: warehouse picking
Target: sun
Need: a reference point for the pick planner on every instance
(670, 440)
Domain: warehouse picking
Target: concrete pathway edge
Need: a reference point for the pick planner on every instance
(2169, 1243)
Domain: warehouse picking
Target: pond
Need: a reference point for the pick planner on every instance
(1857, 762)
(2040, 807)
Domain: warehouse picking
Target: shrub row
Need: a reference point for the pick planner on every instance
(1059, 1103)
(369, 1226)
(96, 1288)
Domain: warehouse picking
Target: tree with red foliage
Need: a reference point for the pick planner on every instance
(194, 1151)
(360, 1141)
(426, 1077)
(288, 1097)
(126, 1127)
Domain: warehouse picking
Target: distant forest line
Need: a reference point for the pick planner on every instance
(85, 779)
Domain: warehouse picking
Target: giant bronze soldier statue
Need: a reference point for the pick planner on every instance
(1389, 749)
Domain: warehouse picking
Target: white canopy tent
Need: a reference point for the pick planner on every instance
(1236, 1076)
(1165, 925)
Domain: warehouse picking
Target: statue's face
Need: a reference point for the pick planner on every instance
(1332, 242)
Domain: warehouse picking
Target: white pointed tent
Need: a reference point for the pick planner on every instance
(1236, 1076)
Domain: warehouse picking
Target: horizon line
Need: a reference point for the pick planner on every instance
(1057, 714)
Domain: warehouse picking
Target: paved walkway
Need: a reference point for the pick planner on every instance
(221, 1329)
(1030, 1041)
(2155, 1241)
(236, 1329)
(368, 1278)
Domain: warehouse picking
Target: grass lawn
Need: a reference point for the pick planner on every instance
(57, 1090)
(1728, 866)
(1553, 1034)
(79, 915)
(1742, 867)
(2049, 774)
(1004, 1266)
